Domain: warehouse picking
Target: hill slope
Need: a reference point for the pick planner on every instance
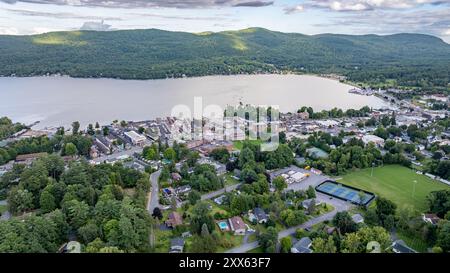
(411, 59)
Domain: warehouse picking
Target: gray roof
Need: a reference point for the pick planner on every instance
(302, 245)
(303, 250)
(260, 214)
(400, 246)
(177, 242)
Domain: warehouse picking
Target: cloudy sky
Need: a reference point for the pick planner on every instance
(303, 16)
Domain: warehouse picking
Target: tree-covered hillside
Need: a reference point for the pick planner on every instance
(412, 60)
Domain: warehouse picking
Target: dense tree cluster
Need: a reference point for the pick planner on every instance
(71, 145)
(205, 178)
(335, 112)
(82, 200)
(8, 128)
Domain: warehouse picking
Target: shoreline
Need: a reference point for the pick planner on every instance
(281, 73)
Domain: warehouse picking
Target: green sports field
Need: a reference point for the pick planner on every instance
(396, 184)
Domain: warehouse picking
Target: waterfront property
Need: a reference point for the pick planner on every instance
(135, 138)
(345, 193)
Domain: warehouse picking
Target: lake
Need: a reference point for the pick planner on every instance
(56, 101)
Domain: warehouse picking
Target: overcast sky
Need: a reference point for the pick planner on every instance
(303, 16)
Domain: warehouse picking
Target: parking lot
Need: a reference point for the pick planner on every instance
(311, 179)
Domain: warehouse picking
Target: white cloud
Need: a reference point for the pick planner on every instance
(151, 3)
(294, 9)
(360, 5)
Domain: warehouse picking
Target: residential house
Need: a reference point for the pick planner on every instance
(431, 218)
(174, 220)
(302, 246)
(400, 246)
(261, 215)
(219, 167)
(176, 245)
(237, 225)
(183, 189)
(306, 203)
(175, 177)
(102, 145)
(220, 200)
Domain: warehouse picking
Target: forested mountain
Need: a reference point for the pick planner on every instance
(410, 59)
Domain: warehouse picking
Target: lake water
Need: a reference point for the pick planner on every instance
(56, 101)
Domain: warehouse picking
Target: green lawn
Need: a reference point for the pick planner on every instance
(162, 240)
(322, 209)
(239, 144)
(229, 180)
(233, 240)
(395, 183)
(415, 243)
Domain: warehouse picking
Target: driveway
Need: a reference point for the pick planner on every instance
(153, 201)
(313, 180)
(338, 204)
(213, 194)
(322, 218)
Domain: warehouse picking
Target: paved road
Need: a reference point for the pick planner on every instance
(313, 180)
(6, 215)
(130, 152)
(308, 224)
(153, 201)
(340, 206)
(213, 194)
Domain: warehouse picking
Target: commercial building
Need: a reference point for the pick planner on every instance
(135, 138)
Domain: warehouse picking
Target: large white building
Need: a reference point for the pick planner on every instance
(135, 138)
